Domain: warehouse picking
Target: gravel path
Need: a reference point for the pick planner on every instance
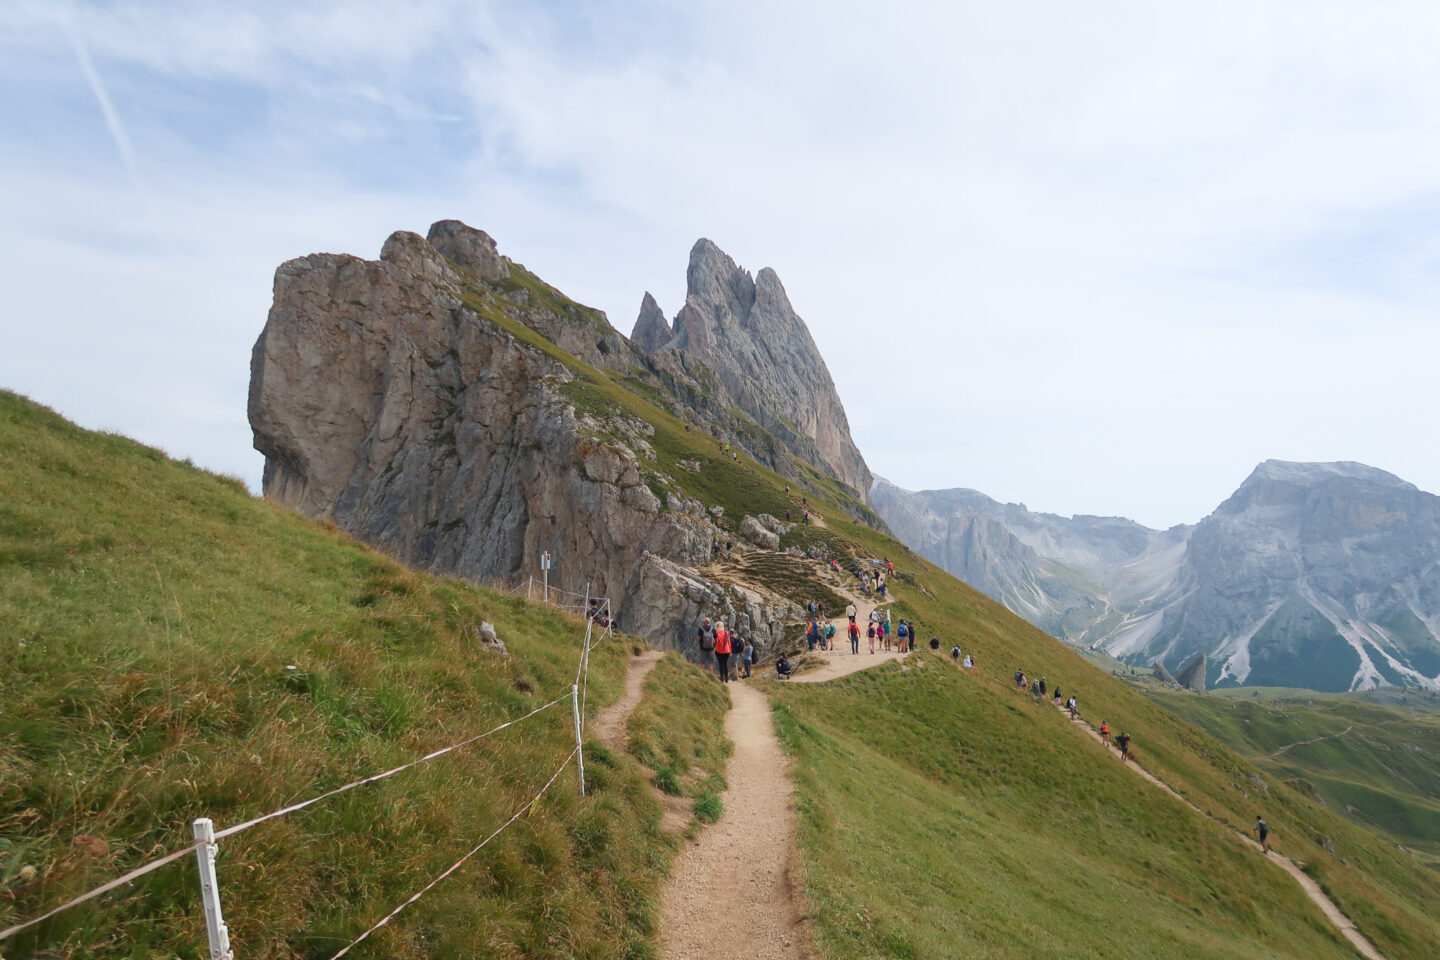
(1311, 888)
(730, 896)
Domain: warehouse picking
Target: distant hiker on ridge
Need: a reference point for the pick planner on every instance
(1264, 830)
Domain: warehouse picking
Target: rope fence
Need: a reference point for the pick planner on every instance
(206, 837)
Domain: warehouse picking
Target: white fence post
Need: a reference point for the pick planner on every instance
(579, 748)
(210, 891)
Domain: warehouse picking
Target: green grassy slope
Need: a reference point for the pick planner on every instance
(911, 779)
(1376, 765)
(150, 618)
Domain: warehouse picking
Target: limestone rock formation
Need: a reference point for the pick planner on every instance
(1192, 675)
(758, 534)
(738, 342)
(400, 399)
(472, 249)
(652, 331)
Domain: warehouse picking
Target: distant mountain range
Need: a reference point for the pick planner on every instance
(1320, 575)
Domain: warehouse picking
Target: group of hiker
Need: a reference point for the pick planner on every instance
(716, 647)
(1040, 688)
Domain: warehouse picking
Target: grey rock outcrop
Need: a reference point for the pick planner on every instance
(1192, 675)
(758, 534)
(652, 331)
(398, 399)
(472, 249)
(738, 342)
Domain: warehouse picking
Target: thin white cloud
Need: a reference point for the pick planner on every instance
(113, 123)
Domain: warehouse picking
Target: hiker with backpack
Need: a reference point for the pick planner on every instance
(850, 612)
(1123, 742)
(1263, 829)
(1074, 708)
(705, 640)
(749, 656)
(830, 634)
(955, 653)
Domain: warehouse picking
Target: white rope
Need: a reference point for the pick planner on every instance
(104, 888)
(230, 831)
(457, 864)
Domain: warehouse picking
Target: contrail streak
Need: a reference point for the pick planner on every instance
(112, 117)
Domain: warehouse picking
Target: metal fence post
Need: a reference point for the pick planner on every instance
(210, 891)
(579, 748)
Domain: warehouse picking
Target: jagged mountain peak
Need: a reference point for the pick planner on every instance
(652, 331)
(740, 344)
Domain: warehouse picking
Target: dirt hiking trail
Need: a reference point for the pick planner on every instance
(1311, 888)
(609, 724)
(729, 896)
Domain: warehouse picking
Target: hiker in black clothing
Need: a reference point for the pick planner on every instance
(1264, 830)
(783, 669)
(1042, 686)
(705, 639)
(1123, 742)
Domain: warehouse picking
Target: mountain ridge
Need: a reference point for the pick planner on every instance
(1307, 557)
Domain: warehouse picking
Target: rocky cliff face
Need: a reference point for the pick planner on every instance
(421, 403)
(737, 342)
(1317, 575)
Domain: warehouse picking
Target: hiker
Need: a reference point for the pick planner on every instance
(812, 634)
(1042, 686)
(903, 632)
(889, 566)
(854, 637)
(1057, 696)
(850, 612)
(870, 632)
(749, 656)
(934, 643)
(1035, 690)
(830, 634)
(787, 514)
(955, 653)
(1019, 678)
(722, 651)
(705, 639)
(783, 669)
(969, 662)
(1262, 828)
(882, 589)
(1123, 742)
(1105, 731)
(1074, 708)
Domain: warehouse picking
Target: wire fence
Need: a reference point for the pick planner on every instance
(206, 837)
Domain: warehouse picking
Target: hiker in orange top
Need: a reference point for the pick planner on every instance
(1105, 731)
(722, 651)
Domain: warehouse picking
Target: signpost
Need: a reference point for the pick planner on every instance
(545, 570)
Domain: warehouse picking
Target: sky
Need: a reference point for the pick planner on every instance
(1097, 258)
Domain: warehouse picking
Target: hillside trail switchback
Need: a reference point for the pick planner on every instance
(1311, 888)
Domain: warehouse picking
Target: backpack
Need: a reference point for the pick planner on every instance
(904, 630)
(707, 639)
